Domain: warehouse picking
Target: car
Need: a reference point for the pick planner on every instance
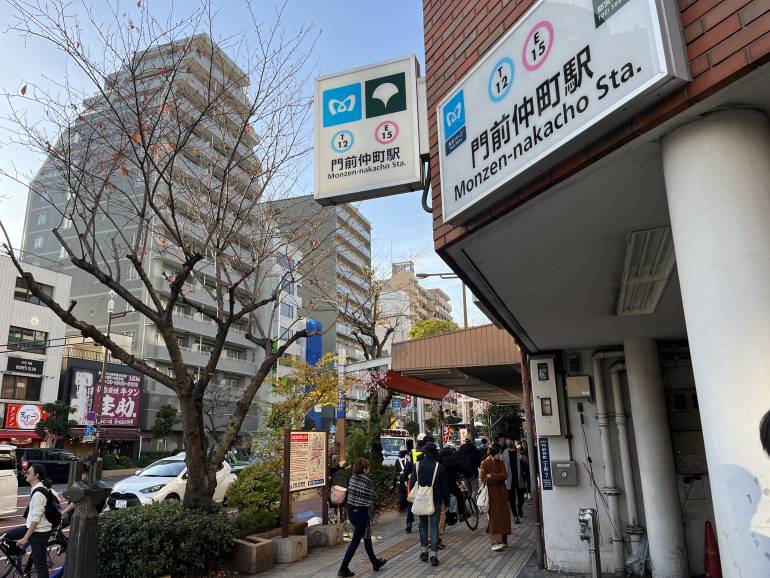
(57, 462)
(165, 479)
(8, 458)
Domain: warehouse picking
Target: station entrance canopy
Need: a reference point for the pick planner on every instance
(482, 362)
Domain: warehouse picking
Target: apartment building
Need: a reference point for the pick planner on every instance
(30, 359)
(201, 164)
(341, 240)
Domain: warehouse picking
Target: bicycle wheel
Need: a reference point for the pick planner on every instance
(471, 513)
(7, 568)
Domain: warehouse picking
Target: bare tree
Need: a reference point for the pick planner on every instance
(218, 403)
(178, 153)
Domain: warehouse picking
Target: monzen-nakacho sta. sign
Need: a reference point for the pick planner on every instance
(367, 132)
(564, 74)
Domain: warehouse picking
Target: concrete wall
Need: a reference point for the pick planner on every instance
(563, 548)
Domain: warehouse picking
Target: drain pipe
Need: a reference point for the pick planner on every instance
(611, 489)
(633, 529)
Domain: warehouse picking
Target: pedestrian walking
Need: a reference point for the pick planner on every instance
(361, 498)
(514, 483)
(431, 473)
(494, 474)
(484, 448)
(39, 514)
(470, 456)
(414, 457)
(400, 477)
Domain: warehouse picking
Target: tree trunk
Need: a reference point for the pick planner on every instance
(201, 480)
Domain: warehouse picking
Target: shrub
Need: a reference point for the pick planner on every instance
(149, 457)
(251, 521)
(110, 462)
(162, 538)
(257, 487)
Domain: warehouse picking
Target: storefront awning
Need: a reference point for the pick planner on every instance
(108, 433)
(19, 434)
(394, 381)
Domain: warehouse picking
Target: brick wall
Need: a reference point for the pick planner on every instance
(725, 40)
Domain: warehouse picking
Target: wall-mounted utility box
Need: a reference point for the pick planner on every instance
(542, 372)
(564, 473)
(579, 386)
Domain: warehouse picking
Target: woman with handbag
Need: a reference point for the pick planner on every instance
(429, 493)
(360, 497)
(493, 476)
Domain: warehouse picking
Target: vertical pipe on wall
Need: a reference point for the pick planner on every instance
(610, 488)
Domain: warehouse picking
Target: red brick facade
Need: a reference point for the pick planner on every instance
(725, 40)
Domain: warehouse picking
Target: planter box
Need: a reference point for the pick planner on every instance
(252, 554)
(288, 550)
(295, 529)
(324, 535)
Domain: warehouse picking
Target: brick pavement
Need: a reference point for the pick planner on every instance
(468, 554)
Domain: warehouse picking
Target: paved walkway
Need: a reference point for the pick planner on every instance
(468, 554)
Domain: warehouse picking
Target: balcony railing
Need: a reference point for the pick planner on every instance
(37, 261)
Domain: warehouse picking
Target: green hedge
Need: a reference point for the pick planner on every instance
(160, 539)
(257, 488)
(110, 462)
(149, 457)
(252, 521)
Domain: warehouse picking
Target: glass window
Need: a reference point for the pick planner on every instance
(286, 333)
(287, 310)
(21, 293)
(62, 252)
(38, 242)
(42, 218)
(164, 469)
(21, 339)
(287, 286)
(21, 387)
(284, 262)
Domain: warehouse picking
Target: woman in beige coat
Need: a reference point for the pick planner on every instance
(493, 474)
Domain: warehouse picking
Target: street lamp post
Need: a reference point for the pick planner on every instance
(450, 276)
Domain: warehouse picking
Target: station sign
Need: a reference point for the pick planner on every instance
(563, 75)
(367, 132)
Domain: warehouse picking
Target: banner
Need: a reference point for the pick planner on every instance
(23, 416)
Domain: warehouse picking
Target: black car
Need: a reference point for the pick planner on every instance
(56, 461)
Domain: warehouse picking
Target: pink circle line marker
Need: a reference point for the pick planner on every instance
(383, 140)
(542, 24)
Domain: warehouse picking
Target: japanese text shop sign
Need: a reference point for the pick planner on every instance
(564, 68)
(546, 478)
(116, 402)
(367, 133)
(307, 467)
(23, 416)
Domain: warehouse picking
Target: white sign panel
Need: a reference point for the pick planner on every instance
(367, 133)
(564, 68)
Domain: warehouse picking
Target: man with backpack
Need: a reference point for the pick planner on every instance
(42, 516)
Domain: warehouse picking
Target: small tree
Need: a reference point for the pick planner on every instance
(412, 427)
(165, 420)
(57, 424)
(431, 327)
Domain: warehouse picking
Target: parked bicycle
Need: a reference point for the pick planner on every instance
(471, 509)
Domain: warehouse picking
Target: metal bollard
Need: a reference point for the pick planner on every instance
(589, 531)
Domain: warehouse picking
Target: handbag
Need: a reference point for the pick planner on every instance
(338, 495)
(413, 492)
(482, 499)
(423, 501)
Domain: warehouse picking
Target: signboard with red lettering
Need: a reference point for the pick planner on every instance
(116, 403)
(24, 416)
(308, 460)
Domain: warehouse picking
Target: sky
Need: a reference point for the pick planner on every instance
(350, 34)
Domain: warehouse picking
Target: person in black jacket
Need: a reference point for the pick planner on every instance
(401, 472)
(454, 469)
(470, 456)
(425, 472)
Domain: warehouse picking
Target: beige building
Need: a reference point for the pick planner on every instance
(416, 303)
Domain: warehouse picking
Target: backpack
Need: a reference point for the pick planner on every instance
(338, 493)
(52, 513)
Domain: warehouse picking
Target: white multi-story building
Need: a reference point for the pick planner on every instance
(30, 360)
(199, 164)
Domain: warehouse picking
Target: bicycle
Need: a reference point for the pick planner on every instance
(21, 564)
(471, 509)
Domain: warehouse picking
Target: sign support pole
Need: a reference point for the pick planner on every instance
(285, 507)
(325, 488)
(526, 385)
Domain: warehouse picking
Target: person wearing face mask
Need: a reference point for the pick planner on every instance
(493, 474)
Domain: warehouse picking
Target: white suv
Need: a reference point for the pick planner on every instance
(165, 479)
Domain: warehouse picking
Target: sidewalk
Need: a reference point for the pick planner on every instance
(468, 553)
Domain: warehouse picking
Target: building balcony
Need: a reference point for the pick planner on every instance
(197, 324)
(195, 358)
